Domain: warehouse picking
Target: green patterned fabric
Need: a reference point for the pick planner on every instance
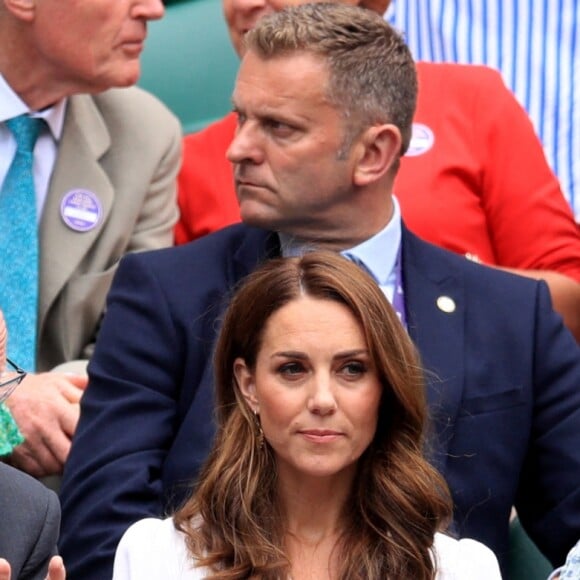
(10, 436)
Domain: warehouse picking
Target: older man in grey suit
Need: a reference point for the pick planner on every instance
(104, 167)
(29, 512)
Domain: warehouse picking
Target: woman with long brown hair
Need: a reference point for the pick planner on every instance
(317, 470)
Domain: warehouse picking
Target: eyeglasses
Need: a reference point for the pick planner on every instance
(8, 386)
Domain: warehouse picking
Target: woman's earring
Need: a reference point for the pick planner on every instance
(260, 432)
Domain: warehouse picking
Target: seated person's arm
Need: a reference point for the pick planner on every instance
(113, 475)
(548, 497)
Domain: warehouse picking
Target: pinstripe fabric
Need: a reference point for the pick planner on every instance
(536, 46)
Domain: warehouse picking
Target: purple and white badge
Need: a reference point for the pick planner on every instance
(81, 210)
(422, 139)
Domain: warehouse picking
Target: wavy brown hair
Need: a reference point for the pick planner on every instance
(233, 523)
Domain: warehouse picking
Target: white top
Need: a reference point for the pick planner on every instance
(152, 549)
(535, 44)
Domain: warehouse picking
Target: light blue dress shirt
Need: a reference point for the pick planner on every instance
(378, 254)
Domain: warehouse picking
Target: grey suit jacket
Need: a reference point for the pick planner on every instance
(29, 524)
(125, 147)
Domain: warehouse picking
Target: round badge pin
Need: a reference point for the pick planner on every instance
(422, 139)
(446, 304)
(81, 210)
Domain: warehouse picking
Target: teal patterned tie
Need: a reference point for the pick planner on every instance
(19, 245)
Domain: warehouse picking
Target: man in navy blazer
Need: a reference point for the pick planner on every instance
(315, 157)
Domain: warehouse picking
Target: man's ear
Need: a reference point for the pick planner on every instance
(21, 9)
(380, 146)
(245, 380)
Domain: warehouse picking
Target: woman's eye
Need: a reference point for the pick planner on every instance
(291, 369)
(353, 369)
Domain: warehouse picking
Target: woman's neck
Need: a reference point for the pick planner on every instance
(313, 504)
(313, 510)
(313, 561)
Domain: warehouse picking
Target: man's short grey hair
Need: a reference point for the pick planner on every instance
(372, 76)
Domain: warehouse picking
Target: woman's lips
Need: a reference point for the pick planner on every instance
(320, 435)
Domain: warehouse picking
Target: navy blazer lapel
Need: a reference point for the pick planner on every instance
(429, 275)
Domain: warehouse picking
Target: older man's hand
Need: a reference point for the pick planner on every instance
(46, 409)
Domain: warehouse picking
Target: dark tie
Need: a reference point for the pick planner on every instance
(19, 245)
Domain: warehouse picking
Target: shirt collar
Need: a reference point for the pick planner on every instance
(378, 254)
(11, 105)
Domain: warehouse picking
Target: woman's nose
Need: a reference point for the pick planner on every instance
(322, 400)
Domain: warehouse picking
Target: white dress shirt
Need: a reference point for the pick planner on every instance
(46, 148)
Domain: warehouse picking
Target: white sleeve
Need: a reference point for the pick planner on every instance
(133, 550)
(152, 549)
(464, 560)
